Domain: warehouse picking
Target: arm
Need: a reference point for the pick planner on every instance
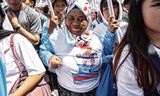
(23, 90)
(45, 34)
(46, 51)
(108, 42)
(33, 38)
(27, 55)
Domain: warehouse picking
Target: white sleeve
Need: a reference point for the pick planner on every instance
(127, 78)
(28, 55)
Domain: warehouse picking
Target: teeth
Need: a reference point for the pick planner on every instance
(75, 29)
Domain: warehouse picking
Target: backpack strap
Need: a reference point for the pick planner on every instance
(12, 48)
(17, 83)
(21, 67)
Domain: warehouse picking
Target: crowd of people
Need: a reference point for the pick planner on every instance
(81, 51)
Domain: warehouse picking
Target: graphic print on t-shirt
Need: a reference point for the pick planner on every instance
(88, 64)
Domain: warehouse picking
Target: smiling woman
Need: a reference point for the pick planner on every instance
(74, 20)
(78, 65)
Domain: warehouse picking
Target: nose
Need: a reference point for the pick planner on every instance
(76, 22)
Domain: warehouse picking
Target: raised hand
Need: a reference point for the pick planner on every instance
(53, 24)
(113, 24)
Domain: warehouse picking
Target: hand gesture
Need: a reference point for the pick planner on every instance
(113, 24)
(53, 24)
(55, 62)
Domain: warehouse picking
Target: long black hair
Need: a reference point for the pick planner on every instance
(2, 14)
(138, 42)
(3, 33)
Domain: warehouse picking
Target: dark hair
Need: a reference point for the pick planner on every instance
(104, 2)
(126, 2)
(2, 14)
(138, 42)
(1, 1)
(45, 9)
(56, 0)
(34, 3)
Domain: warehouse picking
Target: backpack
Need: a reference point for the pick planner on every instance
(42, 89)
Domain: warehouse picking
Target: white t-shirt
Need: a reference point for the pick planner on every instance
(126, 76)
(79, 74)
(25, 52)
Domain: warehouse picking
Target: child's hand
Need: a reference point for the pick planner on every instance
(113, 24)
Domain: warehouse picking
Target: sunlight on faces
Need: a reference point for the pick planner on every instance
(60, 7)
(151, 15)
(105, 11)
(76, 21)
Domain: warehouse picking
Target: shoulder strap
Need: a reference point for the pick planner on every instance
(13, 52)
(12, 48)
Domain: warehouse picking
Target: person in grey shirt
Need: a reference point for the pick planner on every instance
(24, 20)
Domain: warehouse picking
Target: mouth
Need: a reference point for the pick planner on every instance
(76, 29)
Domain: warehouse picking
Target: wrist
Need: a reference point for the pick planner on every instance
(17, 28)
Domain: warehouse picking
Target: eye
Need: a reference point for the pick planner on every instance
(71, 18)
(156, 4)
(82, 19)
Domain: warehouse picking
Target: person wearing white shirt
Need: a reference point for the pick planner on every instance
(136, 62)
(29, 58)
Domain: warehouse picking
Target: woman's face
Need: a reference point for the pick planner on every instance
(14, 4)
(105, 11)
(75, 21)
(60, 8)
(151, 15)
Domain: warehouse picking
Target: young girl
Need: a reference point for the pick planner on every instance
(110, 25)
(136, 62)
(28, 58)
